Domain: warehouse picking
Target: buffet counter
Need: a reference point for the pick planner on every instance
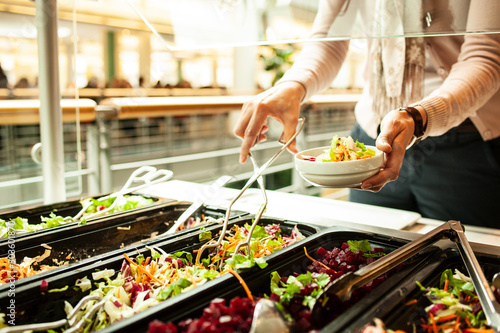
(135, 244)
(316, 210)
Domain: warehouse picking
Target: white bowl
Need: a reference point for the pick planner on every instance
(337, 174)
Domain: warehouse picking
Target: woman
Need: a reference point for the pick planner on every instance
(454, 172)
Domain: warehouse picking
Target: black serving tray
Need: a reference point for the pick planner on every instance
(68, 208)
(78, 242)
(393, 310)
(33, 306)
(286, 262)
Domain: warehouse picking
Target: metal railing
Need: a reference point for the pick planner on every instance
(196, 146)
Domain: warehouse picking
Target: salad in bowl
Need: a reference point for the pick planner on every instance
(345, 163)
(343, 149)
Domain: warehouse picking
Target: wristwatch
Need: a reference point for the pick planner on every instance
(418, 132)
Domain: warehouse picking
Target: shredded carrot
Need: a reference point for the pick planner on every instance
(434, 327)
(230, 245)
(446, 285)
(346, 153)
(147, 261)
(468, 322)
(457, 324)
(446, 318)
(152, 267)
(247, 290)
(143, 270)
(479, 330)
(307, 255)
(413, 301)
(163, 271)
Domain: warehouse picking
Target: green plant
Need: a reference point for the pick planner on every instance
(279, 61)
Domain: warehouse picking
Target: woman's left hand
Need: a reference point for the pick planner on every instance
(396, 133)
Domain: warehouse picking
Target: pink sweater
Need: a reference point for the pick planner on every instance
(468, 64)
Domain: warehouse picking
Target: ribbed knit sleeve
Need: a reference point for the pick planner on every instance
(474, 79)
(319, 61)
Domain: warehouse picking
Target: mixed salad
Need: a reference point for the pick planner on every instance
(11, 270)
(296, 294)
(144, 281)
(125, 202)
(454, 308)
(343, 149)
(19, 225)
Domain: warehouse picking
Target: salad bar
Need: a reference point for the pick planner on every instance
(70, 243)
(158, 262)
(123, 272)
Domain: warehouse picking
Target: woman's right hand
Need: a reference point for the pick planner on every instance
(282, 102)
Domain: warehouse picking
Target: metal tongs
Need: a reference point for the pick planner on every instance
(146, 175)
(214, 188)
(343, 286)
(257, 175)
(73, 326)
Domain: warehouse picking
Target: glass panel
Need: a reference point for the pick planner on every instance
(198, 24)
(171, 41)
(21, 180)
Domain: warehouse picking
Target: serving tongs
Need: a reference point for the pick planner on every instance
(257, 175)
(145, 175)
(342, 287)
(72, 324)
(213, 189)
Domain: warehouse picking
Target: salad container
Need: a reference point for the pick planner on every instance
(286, 262)
(36, 303)
(73, 243)
(70, 209)
(404, 307)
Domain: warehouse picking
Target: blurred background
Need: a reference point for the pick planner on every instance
(173, 76)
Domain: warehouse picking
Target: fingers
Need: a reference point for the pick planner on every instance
(253, 132)
(384, 142)
(289, 129)
(395, 133)
(282, 103)
(243, 120)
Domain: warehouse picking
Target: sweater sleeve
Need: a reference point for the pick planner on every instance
(319, 61)
(474, 78)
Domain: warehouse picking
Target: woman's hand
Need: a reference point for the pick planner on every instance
(396, 133)
(282, 102)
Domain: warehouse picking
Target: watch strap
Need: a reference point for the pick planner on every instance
(418, 132)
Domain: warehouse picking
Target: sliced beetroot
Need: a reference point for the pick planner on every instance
(157, 326)
(218, 317)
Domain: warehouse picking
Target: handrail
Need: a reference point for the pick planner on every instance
(134, 107)
(26, 112)
(101, 93)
